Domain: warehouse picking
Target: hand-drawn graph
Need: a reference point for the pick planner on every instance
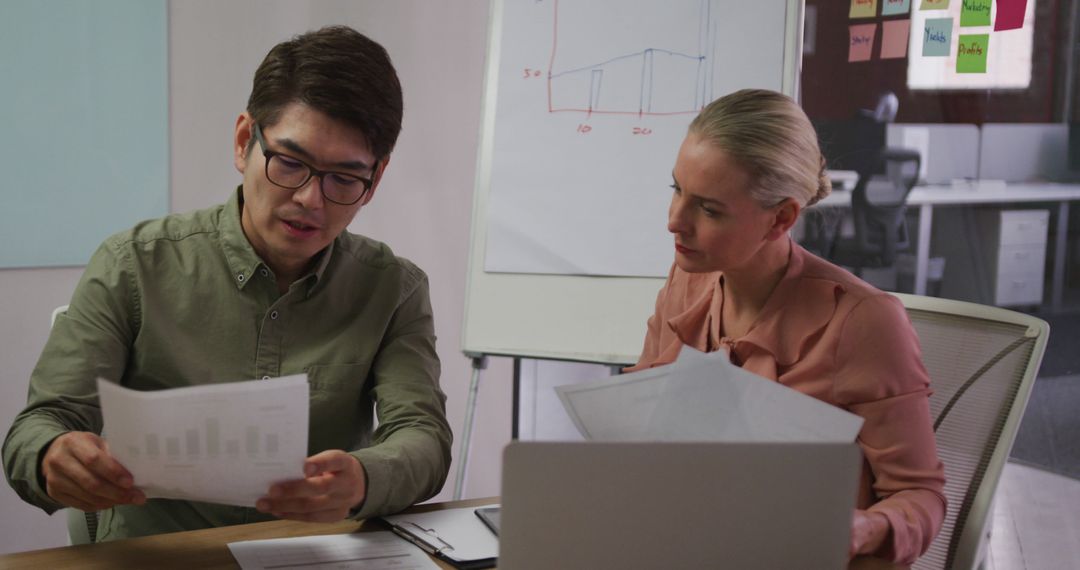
(591, 102)
(671, 73)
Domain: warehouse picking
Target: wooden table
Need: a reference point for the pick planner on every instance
(208, 548)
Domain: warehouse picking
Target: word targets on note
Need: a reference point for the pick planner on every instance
(894, 7)
(934, 5)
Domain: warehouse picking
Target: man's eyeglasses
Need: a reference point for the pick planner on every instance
(292, 173)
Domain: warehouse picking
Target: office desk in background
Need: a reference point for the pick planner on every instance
(927, 197)
(207, 549)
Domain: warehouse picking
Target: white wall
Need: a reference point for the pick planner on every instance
(422, 208)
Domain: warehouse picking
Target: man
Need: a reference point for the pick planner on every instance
(266, 285)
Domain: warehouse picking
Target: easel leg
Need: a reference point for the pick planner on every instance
(479, 362)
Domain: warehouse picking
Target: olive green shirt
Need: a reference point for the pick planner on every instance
(185, 300)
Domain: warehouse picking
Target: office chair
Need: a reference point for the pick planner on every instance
(982, 363)
(82, 526)
(878, 205)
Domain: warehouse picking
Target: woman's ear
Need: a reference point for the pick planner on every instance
(784, 216)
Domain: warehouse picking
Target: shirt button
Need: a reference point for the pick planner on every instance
(240, 277)
(266, 377)
(265, 273)
(273, 315)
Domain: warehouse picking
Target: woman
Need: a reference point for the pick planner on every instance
(747, 168)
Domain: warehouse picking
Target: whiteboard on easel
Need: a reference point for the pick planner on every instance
(586, 103)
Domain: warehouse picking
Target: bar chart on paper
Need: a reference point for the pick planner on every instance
(206, 440)
(224, 443)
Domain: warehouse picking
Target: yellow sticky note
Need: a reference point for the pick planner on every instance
(863, 9)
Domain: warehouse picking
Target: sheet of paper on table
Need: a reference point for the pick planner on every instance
(381, 550)
(218, 443)
(702, 397)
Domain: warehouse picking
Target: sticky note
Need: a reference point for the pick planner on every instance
(893, 7)
(937, 37)
(934, 5)
(1010, 15)
(861, 41)
(894, 38)
(863, 9)
(971, 53)
(974, 13)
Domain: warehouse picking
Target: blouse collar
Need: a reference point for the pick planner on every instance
(799, 307)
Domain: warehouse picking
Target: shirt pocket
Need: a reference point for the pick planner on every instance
(341, 406)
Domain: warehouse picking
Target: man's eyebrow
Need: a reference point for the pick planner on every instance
(296, 148)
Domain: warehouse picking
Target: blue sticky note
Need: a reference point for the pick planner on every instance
(893, 7)
(937, 37)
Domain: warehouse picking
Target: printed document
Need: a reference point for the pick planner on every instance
(381, 550)
(702, 397)
(218, 443)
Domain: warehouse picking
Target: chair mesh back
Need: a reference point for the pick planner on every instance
(984, 361)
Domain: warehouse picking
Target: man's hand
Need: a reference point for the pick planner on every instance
(79, 472)
(868, 531)
(334, 483)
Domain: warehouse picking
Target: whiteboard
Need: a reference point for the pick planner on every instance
(568, 242)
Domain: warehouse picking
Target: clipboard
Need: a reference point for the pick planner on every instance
(455, 536)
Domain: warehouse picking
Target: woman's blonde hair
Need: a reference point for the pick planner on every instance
(770, 137)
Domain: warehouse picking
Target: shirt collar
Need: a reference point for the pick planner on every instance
(243, 262)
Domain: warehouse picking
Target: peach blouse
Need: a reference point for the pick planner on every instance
(828, 334)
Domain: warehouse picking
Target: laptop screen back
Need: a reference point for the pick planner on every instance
(676, 505)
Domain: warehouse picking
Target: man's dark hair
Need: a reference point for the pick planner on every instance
(337, 71)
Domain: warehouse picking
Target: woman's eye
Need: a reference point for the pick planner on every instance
(676, 188)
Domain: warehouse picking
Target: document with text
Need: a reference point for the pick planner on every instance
(217, 443)
(702, 397)
(381, 550)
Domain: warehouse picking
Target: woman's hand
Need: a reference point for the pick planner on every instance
(868, 531)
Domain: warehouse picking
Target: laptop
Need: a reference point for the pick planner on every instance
(594, 505)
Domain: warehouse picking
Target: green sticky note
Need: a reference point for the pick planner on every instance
(934, 5)
(937, 37)
(971, 53)
(974, 13)
(863, 9)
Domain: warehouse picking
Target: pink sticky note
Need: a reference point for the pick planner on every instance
(1010, 14)
(894, 38)
(861, 41)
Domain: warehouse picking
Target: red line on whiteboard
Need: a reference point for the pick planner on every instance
(554, 45)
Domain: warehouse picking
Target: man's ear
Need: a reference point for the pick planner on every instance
(241, 140)
(784, 216)
(376, 178)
